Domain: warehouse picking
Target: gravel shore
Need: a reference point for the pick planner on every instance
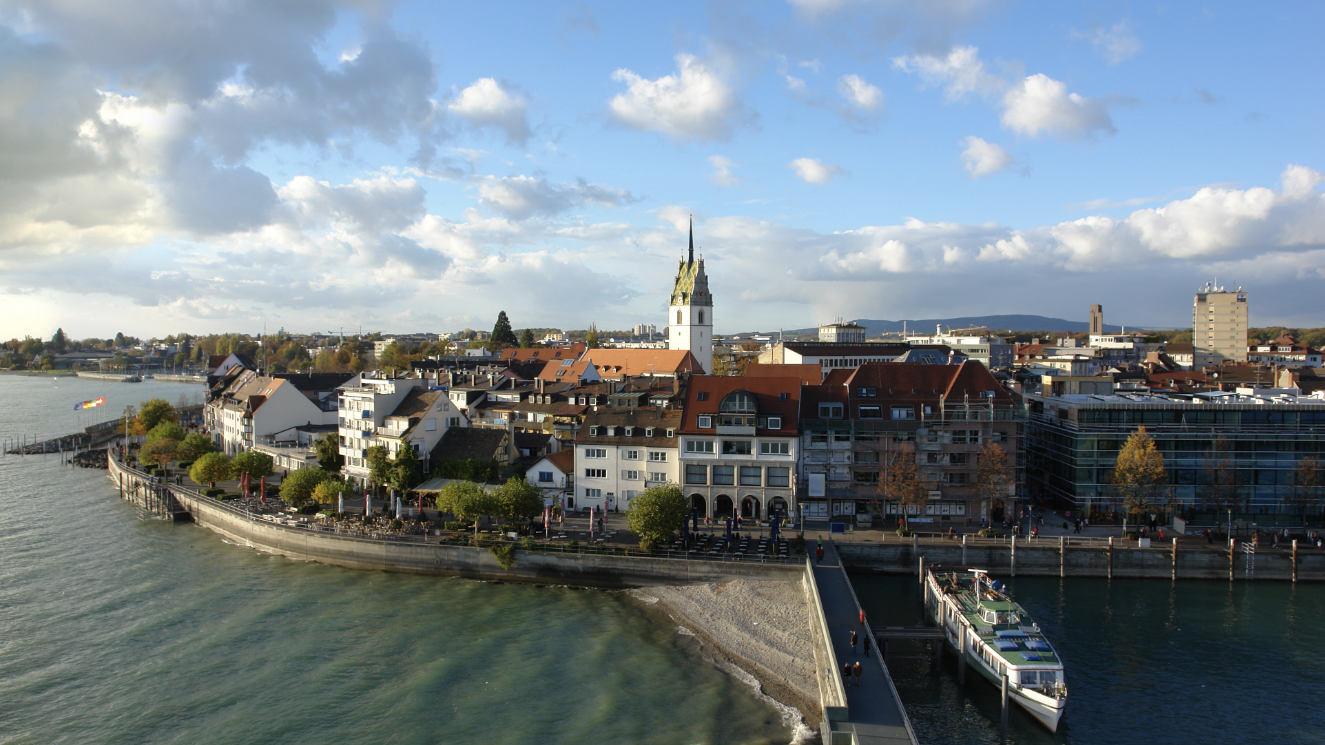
(761, 627)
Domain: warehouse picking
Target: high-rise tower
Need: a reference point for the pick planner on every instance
(1096, 320)
(690, 313)
(1219, 326)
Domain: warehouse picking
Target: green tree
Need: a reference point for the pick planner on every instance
(329, 490)
(527, 338)
(656, 514)
(899, 481)
(394, 357)
(1139, 474)
(297, 487)
(502, 335)
(59, 342)
(379, 465)
(405, 470)
(160, 451)
(154, 412)
(256, 465)
(327, 448)
(591, 339)
(992, 473)
(210, 468)
(194, 446)
(517, 500)
(466, 500)
(168, 430)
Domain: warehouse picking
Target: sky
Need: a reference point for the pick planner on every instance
(171, 166)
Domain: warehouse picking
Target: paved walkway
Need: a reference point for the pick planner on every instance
(872, 707)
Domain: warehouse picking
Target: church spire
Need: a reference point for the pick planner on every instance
(691, 258)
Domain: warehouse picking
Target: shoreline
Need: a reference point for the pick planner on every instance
(714, 613)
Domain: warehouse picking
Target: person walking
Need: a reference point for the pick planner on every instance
(857, 670)
(819, 553)
(865, 643)
(853, 640)
(846, 673)
(862, 616)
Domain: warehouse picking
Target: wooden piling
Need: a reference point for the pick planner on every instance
(1232, 547)
(1062, 556)
(961, 654)
(1173, 560)
(1012, 555)
(1109, 552)
(1294, 557)
(920, 574)
(963, 548)
(1003, 704)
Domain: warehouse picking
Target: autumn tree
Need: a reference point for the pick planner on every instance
(253, 464)
(1306, 485)
(592, 339)
(993, 474)
(502, 335)
(517, 500)
(152, 413)
(328, 491)
(1139, 474)
(210, 468)
(297, 487)
(899, 481)
(159, 452)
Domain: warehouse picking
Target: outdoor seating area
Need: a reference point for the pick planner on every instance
(737, 547)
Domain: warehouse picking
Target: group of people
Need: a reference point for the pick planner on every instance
(853, 671)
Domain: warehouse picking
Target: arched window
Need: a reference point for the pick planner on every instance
(701, 318)
(738, 402)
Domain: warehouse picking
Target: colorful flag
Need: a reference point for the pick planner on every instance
(90, 403)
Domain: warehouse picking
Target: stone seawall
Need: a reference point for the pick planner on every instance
(1047, 558)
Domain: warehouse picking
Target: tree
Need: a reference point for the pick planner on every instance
(297, 487)
(405, 469)
(992, 474)
(502, 335)
(900, 479)
(59, 342)
(327, 448)
(160, 451)
(591, 339)
(194, 446)
(166, 431)
(154, 412)
(253, 464)
(1139, 474)
(1306, 485)
(1223, 476)
(329, 490)
(394, 357)
(517, 500)
(656, 514)
(210, 468)
(379, 465)
(527, 338)
(466, 500)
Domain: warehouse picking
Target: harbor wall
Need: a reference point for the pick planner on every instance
(1047, 557)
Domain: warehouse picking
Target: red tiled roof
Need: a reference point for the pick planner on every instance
(564, 460)
(773, 397)
(620, 363)
(527, 354)
(808, 374)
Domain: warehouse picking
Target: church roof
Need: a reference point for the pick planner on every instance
(692, 284)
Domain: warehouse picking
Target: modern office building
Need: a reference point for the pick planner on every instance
(1219, 325)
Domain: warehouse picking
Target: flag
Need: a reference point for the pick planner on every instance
(91, 403)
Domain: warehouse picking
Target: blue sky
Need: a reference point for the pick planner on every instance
(410, 166)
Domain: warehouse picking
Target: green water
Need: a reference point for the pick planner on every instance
(115, 629)
(1146, 660)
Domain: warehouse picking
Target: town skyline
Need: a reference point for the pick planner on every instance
(840, 159)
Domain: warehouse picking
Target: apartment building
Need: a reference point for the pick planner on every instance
(621, 452)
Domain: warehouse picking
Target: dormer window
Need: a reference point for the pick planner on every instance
(630, 431)
(671, 433)
(593, 431)
(648, 431)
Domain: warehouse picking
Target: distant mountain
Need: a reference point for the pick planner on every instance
(1003, 323)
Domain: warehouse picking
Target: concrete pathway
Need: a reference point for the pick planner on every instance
(873, 708)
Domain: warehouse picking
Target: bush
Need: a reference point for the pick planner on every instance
(505, 553)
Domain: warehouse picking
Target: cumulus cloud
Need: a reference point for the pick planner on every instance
(860, 93)
(486, 102)
(694, 102)
(813, 171)
(722, 170)
(1042, 105)
(1117, 43)
(981, 158)
(520, 197)
(960, 72)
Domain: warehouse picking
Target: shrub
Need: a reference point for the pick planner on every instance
(505, 553)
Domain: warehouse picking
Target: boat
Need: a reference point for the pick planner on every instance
(134, 378)
(998, 638)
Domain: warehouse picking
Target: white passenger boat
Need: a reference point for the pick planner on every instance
(997, 638)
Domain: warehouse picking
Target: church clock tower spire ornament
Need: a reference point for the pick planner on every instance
(690, 312)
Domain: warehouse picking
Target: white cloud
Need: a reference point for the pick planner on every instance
(1042, 105)
(486, 102)
(794, 84)
(960, 72)
(1117, 43)
(860, 93)
(521, 197)
(722, 170)
(813, 171)
(982, 158)
(695, 102)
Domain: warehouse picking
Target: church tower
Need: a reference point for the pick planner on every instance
(690, 313)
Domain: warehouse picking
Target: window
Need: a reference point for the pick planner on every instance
(705, 422)
(701, 317)
(738, 402)
(453, 421)
(870, 412)
(630, 455)
(657, 477)
(629, 494)
(630, 475)
(702, 396)
(544, 477)
(724, 475)
(775, 422)
(957, 459)
(774, 448)
(678, 317)
(648, 431)
(830, 411)
(592, 494)
(736, 447)
(866, 392)
(595, 452)
(595, 473)
(900, 413)
(696, 473)
(593, 430)
(699, 446)
(751, 476)
(658, 456)
(671, 433)
(779, 476)
(954, 478)
(630, 431)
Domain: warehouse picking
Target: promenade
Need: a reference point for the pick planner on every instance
(874, 713)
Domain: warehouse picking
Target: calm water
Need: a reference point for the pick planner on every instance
(120, 630)
(1192, 662)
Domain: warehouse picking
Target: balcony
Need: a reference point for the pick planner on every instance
(729, 429)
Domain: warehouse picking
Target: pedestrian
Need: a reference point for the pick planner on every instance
(862, 616)
(846, 672)
(853, 640)
(857, 670)
(865, 643)
(819, 553)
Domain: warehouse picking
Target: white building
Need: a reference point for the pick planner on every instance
(994, 352)
(690, 313)
(257, 409)
(554, 473)
(621, 452)
(392, 413)
(839, 332)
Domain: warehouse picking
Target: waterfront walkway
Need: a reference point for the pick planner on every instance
(874, 712)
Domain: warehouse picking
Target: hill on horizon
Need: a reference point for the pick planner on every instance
(995, 323)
